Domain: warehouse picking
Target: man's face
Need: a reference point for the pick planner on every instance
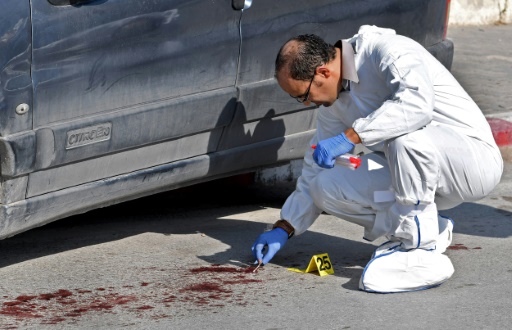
(321, 90)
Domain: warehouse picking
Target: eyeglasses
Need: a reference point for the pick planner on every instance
(304, 97)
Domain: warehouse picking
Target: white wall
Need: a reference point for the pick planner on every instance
(480, 12)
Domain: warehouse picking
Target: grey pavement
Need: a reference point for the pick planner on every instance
(179, 259)
(483, 65)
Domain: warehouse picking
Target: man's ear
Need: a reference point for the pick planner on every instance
(323, 71)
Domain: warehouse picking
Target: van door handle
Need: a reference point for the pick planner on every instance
(68, 2)
(241, 4)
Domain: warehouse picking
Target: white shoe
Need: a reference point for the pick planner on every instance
(402, 271)
(445, 234)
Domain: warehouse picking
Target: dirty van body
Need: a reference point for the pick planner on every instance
(104, 101)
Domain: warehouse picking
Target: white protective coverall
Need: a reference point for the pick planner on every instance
(433, 149)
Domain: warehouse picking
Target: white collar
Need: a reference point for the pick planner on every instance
(348, 64)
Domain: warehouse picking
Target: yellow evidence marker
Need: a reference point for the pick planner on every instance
(320, 263)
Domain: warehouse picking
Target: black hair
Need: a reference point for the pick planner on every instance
(312, 51)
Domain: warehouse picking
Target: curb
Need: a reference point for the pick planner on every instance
(501, 130)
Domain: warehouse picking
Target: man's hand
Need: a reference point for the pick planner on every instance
(274, 239)
(327, 150)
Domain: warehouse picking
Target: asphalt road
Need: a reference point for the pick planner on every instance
(179, 259)
(483, 65)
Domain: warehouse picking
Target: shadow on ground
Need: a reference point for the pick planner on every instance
(204, 208)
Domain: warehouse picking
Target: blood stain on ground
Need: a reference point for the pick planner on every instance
(204, 287)
(57, 294)
(83, 291)
(25, 298)
(53, 320)
(196, 290)
(57, 307)
(145, 307)
(19, 312)
(458, 247)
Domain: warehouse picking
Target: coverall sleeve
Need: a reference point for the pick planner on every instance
(299, 209)
(410, 105)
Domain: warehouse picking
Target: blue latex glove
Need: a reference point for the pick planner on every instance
(274, 239)
(327, 150)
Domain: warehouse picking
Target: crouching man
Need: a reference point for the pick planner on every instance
(428, 137)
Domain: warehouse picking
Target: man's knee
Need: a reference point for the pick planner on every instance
(318, 188)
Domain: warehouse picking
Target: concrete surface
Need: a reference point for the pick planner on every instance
(179, 260)
(480, 12)
(483, 65)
